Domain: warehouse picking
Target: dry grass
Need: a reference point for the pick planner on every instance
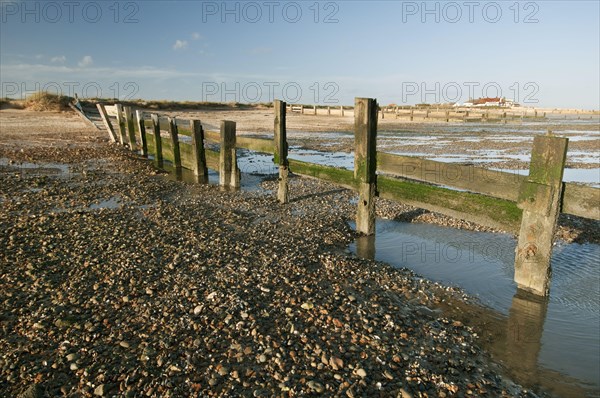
(44, 101)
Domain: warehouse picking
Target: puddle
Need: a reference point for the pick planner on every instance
(542, 338)
(254, 167)
(111, 203)
(37, 169)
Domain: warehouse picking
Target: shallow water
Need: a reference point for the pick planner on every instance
(561, 334)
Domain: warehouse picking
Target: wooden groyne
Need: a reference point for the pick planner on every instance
(448, 114)
(525, 205)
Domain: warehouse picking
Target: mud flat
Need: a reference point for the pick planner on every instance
(117, 281)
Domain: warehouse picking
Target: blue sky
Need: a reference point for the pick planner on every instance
(542, 53)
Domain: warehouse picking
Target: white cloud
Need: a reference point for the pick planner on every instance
(196, 36)
(86, 61)
(39, 56)
(58, 60)
(180, 44)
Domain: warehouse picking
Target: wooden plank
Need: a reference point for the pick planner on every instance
(229, 173)
(484, 210)
(175, 142)
(474, 179)
(540, 200)
(263, 145)
(199, 166)
(139, 115)
(111, 110)
(158, 152)
(255, 144)
(121, 124)
(83, 116)
(111, 131)
(581, 201)
(129, 122)
(365, 162)
(281, 150)
(342, 177)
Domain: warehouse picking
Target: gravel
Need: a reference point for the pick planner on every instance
(179, 289)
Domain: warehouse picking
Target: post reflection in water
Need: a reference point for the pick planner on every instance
(365, 247)
(525, 328)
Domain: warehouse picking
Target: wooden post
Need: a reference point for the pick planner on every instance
(281, 151)
(121, 123)
(142, 130)
(229, 174)
(130, 128)
(315, 109)
(540, 200)
(302, 109)
(342, 109)
(111, 131)
(365, 162)
(175, 142)
(157, 139)
(200, 169)
(412, 114)
(328, 111)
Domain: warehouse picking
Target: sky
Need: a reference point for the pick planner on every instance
(537, 53)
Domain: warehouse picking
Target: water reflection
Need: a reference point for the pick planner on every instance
(552, 342)
(365, 247)
(525, 327)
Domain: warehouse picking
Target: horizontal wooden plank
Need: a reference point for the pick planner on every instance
(581, 201)
(212, 136)
(251, 143)
(187, 154)
(335, 175)
(255, 144)
(497, 184)
(111, 110)
(483, 210)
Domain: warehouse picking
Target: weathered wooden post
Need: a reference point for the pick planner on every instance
(302, 109)
(539, 198)
(315, 109)
(142, 130)
(342, 109)
(328, 111)
(157, 139)
(121, 123)
(200, 169)
(130, 127)
(412, 114)
(447, 116)
(229, 174)
(281, 151)
(174, 133)
(111, 131)
(365, 162)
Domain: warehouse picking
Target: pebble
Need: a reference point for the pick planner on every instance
(280, 301)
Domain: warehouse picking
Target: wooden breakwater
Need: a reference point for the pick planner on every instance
(448, 114)
(526, 205)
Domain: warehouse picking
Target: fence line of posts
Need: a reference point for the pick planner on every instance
(526, 205)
